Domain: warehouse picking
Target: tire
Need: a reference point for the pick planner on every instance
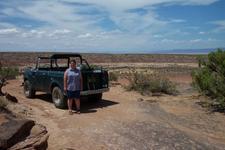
(58, 98)
(29, 92)
(95, 97)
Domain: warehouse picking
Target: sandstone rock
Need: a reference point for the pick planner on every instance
(11, 98)
(156, 94)
(42, 144)
(17, 134)
(37, 140)
(2, 83)
(13, 131)
(140, 99)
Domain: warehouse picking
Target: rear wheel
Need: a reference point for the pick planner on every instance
(58, 98)
(29, 92)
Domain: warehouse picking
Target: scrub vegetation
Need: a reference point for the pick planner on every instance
(209, 79)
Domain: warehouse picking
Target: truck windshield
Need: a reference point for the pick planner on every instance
(44, 63)
(64, 62)
(60, 64)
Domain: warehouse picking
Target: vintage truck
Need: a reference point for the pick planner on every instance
(48, 75)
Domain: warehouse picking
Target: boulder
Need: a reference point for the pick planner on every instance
(2, 83)
(11, 98)
(38, 139)
(17, 134)
(13, 130)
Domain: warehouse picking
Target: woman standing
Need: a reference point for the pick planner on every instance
(73, 86)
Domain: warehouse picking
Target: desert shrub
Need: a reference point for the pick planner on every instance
(201, 60)
(147, 84)
(9, 72)
(209, 79)
(3, 102)
(113, 76)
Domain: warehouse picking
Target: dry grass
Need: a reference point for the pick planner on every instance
(148, 84)
(113, 76)
(9, 72)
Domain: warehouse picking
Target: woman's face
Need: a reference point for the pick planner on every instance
(73, 65)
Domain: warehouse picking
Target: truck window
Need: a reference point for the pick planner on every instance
(60, 64)
(44, 64)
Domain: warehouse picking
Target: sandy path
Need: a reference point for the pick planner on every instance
(121, 121)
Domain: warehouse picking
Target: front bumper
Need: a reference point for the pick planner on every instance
(84, 93)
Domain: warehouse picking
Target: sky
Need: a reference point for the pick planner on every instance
(111, 26)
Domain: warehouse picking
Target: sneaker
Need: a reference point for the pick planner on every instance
(70, 112)
(78, 111)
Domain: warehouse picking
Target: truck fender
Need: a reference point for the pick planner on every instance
(54, 84)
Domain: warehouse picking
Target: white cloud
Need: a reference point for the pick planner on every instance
(86, 35)
(219, 22)
(37, 32)
(167, 40)
(63, 31)
(201, 32)
(157, 36)
(177, 21)
(134, 23)
(212, 40)
(197, 43)
(220, 25)
(9, 11)
(68, 26)
(198, 2)
(59, 32)
(118, 5)
(5, 25)
(33, 33)
(196, 40)
(192, 41)
(57, 15)
(63, 15)
(43, 33)
(8, 31)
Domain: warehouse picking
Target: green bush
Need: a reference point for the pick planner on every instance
(209, 79)
(113, 76)
(9, 72)
(147, 84)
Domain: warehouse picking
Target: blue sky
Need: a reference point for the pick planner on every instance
(112, 26)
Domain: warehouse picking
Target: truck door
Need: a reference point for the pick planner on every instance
(42, 74)
(41, 79)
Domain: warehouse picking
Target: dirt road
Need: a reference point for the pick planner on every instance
(126, 120)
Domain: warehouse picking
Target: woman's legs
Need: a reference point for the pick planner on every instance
(77, 101)
(70, 104)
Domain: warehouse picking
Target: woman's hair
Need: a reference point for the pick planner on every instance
(73, 61)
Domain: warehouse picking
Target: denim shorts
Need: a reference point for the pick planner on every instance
(73, 94)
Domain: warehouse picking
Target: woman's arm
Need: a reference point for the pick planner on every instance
(65, 81)
(81, 82)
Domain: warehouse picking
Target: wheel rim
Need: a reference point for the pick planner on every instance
(26, 89)
(56, 97)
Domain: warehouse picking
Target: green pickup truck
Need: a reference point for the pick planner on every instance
(48, 74)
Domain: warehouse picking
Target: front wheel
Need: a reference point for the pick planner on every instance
(58, 98)
(29, 92)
